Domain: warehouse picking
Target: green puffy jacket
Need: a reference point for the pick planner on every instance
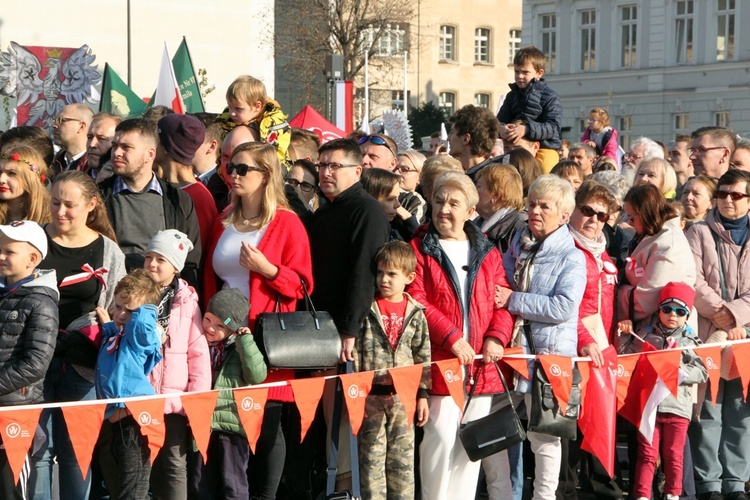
(243, 365)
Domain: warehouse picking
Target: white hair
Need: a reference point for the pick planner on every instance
(652, 148)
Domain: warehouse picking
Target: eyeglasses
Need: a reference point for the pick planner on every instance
(242, 169)
(700, 150)
(378, 141)
(633, 157)
(722, 195)
(303, 185)
(629, 218)
(333, 167)
(65, 119)
(679, 311)
(404, 170)
(590, 212)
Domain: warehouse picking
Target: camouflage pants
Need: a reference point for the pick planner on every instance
(386, 450)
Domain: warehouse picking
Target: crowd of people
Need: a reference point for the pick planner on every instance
(137, 255)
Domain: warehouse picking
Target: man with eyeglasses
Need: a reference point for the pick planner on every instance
(378, 151)
(640, 149)
(70, 130)
(711, 150)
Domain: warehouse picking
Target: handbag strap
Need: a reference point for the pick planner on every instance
(722, 281)
(506, 389)
(529, 339)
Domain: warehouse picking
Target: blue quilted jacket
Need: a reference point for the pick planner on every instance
(539, 106)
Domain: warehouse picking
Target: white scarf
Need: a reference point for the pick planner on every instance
(596, 247)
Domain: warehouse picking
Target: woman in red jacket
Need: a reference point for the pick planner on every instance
(260, 246)
(457, 270)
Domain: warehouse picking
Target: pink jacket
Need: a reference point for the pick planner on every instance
(186, 362)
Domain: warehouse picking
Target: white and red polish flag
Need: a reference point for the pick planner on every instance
(167, 91)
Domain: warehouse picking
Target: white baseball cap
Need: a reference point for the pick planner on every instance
(27, 231)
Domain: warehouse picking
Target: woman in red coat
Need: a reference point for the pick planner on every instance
(457, 271)
(261, 247)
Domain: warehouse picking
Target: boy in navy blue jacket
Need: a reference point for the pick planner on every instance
(130, 349)
(531, 109)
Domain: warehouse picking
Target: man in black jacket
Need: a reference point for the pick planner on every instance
(139, 204)
(345, 233)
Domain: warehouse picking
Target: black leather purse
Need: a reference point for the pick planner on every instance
(494, 433)
(298, 340)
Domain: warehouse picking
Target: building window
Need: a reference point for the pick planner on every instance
(629, 20)
(625, 128)
(725, 30)
(549, 40)
(681, 122)
(388, 41)
(684, 32)
(514, 43)
(482, 45)
(447, 102)
(482, 100)
(722, 118)
(397, 99)
(447, 43)
(588, 40)
(583, 124)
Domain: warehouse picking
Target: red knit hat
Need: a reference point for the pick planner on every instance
(678, 292)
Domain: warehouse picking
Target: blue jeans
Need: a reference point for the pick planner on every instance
(62, 383)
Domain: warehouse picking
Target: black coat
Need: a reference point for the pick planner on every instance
(28, 332)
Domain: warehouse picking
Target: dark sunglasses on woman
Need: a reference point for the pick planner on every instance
(590, 212)
(242, 169)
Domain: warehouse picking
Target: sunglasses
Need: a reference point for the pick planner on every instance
(377, 140)
(679, 311)
(242, 169)
(590, 212)
(304, 186)
(721, 195)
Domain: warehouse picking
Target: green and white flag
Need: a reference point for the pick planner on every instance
(117, 98)
(187, 79)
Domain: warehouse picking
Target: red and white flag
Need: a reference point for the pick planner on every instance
(167, 90)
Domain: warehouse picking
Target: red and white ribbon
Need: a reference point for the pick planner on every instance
(88, 273)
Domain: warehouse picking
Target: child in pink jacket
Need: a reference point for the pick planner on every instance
(186, 362)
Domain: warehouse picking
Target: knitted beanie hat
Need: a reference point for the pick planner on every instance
(231, 307)
(181, 136)
(681, 293)
(171, 244)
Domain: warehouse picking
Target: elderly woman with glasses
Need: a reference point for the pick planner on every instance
(722, 257)
(261, 247)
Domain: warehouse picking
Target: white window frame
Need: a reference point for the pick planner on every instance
(681, 122)
(684, 32)
(629, 36)
(587, 33)
(448, 40)
(448, 110)
(726, 24)
(625, 129)
(514, 43)
(548, 38)
(391, 43)
(723, 118)
(479, 96)
(483, 45)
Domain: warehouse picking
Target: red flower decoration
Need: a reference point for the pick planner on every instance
(15, 157)
(43, 178)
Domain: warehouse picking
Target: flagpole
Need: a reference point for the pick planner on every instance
(406, 105)
(192, 66)
(104, 85)
(367, 90)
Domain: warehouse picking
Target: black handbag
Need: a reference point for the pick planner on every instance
(494, 433)
(298, 340)
(545, 416)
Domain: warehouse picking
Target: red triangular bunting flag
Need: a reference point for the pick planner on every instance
(149, 413)
(584, 368)
(711, 356)
(356, 387)
(199, 409)
(452, 373)
(518, 364)
(667, 365)
(406, 382)
(251, 404)
(307, 394)
(84, 423)
(742, 351)
(17, 429)
(559, 370)
(597, 420)
(625, 368)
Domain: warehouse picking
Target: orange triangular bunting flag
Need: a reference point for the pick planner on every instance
(149, 413)
(356, 387)
(559, 370)
(711, 356)
(251, 404)
(84, 423)
(625, 366)
(742, 351)
(17, 429)
(406, 382)
(518, 364)
(452, 373)
(666, 364)
(199, 409)
(307, 394)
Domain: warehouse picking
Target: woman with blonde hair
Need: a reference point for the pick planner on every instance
(658, 172)
(601, 135)
(261, 247)
(23, 195)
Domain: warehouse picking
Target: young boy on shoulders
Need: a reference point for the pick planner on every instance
(28, 328)
(393, 334)
(535, 104)
(131, 347)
